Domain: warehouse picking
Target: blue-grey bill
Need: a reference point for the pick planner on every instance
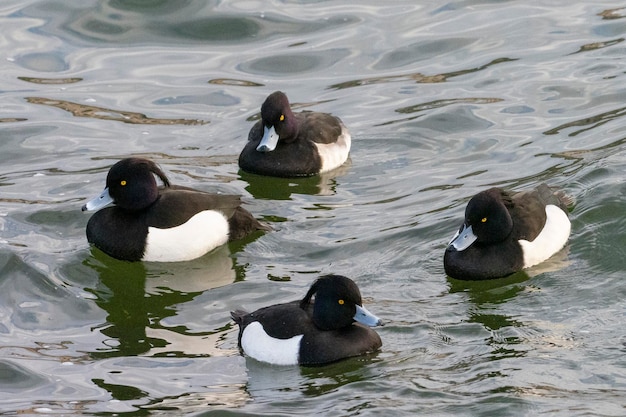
(98, 202)
(269, 141)
(365, 317)
(464, 238)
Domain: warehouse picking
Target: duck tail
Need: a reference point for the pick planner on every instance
(242, 223)
(550, 194)
(238, 315)
(566, 200)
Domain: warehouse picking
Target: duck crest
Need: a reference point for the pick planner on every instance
(166, 223)
(306, 301)
(154, 168)
(505, 232)
(288, 144)
(507, 199)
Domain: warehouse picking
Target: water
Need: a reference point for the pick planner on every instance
(443, 100)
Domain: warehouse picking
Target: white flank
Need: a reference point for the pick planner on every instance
(262, 347)
(335, 154)
(551, 239)
(199, 235)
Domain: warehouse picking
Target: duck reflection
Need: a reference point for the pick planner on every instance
(138, 295)
(264, 380)
(486, 295)
(276, 188)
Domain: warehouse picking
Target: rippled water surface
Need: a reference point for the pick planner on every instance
(443, 99)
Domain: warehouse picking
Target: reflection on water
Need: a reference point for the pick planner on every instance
(275, 188)
(589, 123)
(486, 296)
(482, 291)
(166, 385)
(159, 22)
(43, 61)
(137, 296)
(611, 14)
(121, 294)
(417, 77)
(239, 83)
(83, 110)
(29, 299)
(51, 81)
(441, 103)
(16, 378)
(598, 45)
(308, 381)
(437, 114)
(295, 63)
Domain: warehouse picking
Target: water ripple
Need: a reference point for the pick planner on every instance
(590, 122)
(610, 14)
(83, 110)
(417, 77)
(37, 80)
(437, 113)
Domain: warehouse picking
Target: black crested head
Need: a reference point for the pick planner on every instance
(132, 185)
(336, 298)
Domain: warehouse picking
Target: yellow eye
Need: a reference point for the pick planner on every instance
(483, 220)
(341, 302)
(282, 117)
(123, 183)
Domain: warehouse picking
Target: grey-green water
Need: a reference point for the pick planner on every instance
(443, 99)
